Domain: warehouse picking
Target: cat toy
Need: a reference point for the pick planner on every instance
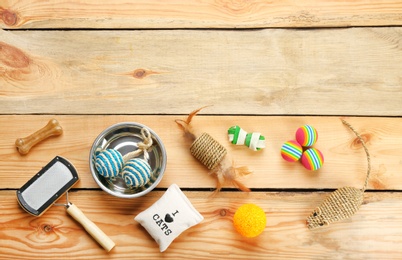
(343, 202)
(136, 172)
(255, 141)
(249, 220)
(300, 149)
(213, 155)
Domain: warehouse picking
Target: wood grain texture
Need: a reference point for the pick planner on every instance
(295, 72)
(297, 62)
(345, 160)
(55, 235)
(198, 14)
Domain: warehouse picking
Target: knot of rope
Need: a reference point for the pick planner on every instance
(142, 146)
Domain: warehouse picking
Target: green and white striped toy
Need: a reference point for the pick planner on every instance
(254, 141)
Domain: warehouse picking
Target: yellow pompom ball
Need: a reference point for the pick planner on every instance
(249, 220)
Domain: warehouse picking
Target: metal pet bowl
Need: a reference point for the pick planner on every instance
(124, 138)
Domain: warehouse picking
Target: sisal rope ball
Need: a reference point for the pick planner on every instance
(136, 173)
(109, 163)
(306, 135)
(249, 220)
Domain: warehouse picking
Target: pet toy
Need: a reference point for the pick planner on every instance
(169, 216)
(306, 136)
(254, 141)
(24, 145)
(312, 159)
(291, 151)
(249, 220)
(136, 172)
(213, 155)
(343, 202)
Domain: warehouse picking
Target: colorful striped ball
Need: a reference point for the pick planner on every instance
(291, 151)
(306, 135)
(136, 173)
(109, 163)
(312, 159)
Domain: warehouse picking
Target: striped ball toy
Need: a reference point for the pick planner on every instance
(306, 135)
(109, 163)
(136, 173)
(254, 141)
(291, 151)
(312, 159)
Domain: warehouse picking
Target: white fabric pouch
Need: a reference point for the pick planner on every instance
(168, 217)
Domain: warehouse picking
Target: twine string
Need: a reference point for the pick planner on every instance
(142, 146)
(343, 202)
(365, 149)
(208, 151)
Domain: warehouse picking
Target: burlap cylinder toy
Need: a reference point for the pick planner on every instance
(208, 151)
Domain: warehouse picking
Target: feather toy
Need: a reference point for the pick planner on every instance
(213, 155)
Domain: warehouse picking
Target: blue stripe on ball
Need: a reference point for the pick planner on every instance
(99, 166)
(113, 169)
(118, 159)
(144, 171)
(136, 173)
(108, 163)
(103, 165)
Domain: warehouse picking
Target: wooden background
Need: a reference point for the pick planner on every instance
(268, 66)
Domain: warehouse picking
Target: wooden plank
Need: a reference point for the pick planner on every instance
(198, 14)
(372, 233)
(345, 160)
(295, 72)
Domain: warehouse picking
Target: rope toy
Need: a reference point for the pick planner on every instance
(136, 172)
(342, 203)
(213, 155)
(254, 141)
(208, 151)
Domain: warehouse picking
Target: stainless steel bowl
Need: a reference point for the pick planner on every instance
(124, 138)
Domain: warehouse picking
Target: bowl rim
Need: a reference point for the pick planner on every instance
(115, 127)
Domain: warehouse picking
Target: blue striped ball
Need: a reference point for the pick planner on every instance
(109, 163)
(136, 173)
